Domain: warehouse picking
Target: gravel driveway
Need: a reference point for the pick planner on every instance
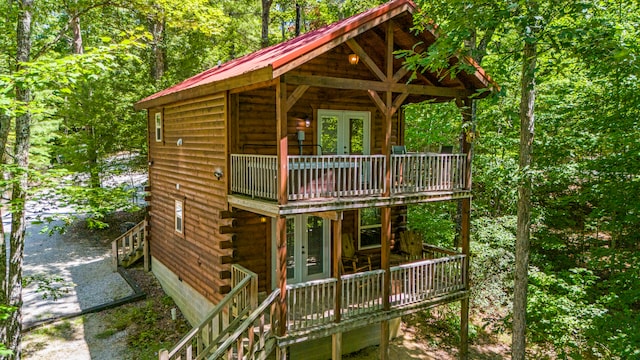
(84, 264)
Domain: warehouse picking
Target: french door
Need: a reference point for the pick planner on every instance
(308, 255)
(344, 132)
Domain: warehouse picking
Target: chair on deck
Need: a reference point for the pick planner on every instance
(411, 245)
(399, 150)
(352, 262)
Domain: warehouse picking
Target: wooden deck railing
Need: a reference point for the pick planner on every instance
(436, 252)
(423, 172)
(361, 293)
(225, 317)
(129, 246)
(310, 304)
(313, 305)
(254, 338)
(255, 175)
(416, 282)
(335, 176)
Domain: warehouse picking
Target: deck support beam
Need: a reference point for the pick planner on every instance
(466, 107)
(281, 223)
(336, 346)
(386, 211)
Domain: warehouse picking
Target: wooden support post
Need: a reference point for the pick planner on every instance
(283, 141)
(114, 256)
(386, 211)
(464, 328)
(281, 353)
(163, 354)
(464, 304)
(281, 273)
(336, 346)
(337, 263)
(145, 248)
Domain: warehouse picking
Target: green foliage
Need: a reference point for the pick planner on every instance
(492, 260)
(435, 221)
(560, 312)
(430, 125)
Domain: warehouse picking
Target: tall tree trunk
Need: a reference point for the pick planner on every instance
(4, 275)
(298, 16)
(77, 48)
(527, 122)
(156, 27)
(266, 8)
(18, 197)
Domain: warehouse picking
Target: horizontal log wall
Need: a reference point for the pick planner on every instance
(251, 246)
(182, 167)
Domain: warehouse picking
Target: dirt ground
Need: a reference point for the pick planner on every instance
(139, 330)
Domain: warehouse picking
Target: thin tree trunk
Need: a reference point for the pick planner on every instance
(298, 16)
(18, 197)
(527, 122)
(266, 8)
(156, 27)
(5, 122)
(76, 47)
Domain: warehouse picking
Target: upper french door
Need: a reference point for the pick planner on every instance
(308, 256)
(344, 132)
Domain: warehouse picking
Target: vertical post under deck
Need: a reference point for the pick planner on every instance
(281, 275)
(336, 271)
(386, 211)
(465, 232)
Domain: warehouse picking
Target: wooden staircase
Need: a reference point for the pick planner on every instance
(226, 329)
(130, 247)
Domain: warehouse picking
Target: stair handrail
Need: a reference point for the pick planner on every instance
(266, 338)
(141, 243)
(245, 294)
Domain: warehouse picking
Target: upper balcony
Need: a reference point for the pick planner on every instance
(340, 182)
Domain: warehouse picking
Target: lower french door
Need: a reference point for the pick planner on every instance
(308, 250)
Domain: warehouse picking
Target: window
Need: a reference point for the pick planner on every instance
(179, 222)
(158, 126)
(370, 228)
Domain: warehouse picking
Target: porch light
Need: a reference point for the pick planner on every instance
(353, 59)
(307, 122)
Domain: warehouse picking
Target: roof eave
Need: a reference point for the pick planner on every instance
(246, 79)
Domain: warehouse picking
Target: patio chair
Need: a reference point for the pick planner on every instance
(352, 261)
(411, 245)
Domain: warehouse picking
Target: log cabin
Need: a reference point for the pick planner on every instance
(279, 181)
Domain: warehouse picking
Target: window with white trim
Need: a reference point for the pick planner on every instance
(370, 228)
(179, 217)
(158, 117)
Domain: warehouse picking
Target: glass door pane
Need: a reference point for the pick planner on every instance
(356, 136)
(291, 249)
(314, 249)
(329, 134)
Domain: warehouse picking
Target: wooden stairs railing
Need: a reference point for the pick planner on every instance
(221, 323)
(130, 246)
(254, 338)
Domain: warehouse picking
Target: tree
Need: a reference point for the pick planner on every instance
(522, 25)
(266, 8)
(12, 328)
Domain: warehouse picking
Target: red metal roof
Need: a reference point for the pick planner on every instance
(281, 54)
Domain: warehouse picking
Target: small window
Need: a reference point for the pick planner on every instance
(179, 217)
(370, 228)
(158, 126)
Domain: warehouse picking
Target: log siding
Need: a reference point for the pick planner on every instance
(181, 168)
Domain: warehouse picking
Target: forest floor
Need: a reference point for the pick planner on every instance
(140, 329)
